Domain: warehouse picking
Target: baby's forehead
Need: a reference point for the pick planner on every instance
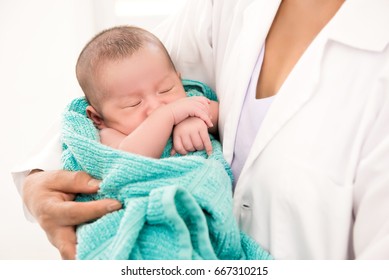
(103, 57)
(153, 53)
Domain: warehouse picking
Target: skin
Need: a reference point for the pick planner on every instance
(296, 24)
(143, 100)
(49, 197)
(281, 54)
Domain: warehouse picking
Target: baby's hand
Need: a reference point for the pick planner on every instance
(195, 106)
(191, 135)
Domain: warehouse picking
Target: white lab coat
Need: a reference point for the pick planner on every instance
(316, 181)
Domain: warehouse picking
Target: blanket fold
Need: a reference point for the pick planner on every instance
(173, 208)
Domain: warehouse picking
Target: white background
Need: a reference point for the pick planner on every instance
(39, 43)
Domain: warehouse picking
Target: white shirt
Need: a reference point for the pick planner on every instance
(252, 114)
(315, 184)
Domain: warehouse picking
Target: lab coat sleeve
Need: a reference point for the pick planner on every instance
(371, 207)
(187, 35)
(47, 157)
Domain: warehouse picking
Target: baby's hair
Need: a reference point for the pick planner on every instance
(111, 44)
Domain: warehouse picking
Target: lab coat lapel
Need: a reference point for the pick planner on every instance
(257, 19)
(297, 90)
(301, 84)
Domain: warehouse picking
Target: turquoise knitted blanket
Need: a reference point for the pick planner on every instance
(173, 208)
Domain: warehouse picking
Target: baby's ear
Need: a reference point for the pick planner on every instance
(95, 117)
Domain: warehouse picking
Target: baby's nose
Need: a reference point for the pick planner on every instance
(153, 104)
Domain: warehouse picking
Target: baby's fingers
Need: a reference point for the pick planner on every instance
(178, 146)
(205, 117)
(173, 152)
(206, 141)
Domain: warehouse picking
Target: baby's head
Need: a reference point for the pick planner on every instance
(121, 68)
(111, 45)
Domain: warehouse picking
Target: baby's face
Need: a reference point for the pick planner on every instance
(135, 86)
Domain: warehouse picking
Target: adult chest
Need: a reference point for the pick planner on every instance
(303, 162)
(293, 29)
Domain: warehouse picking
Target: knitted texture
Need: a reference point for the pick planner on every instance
(176, 207)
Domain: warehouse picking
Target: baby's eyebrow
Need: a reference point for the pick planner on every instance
(164, 78)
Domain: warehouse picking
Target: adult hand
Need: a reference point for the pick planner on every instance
(49, 197)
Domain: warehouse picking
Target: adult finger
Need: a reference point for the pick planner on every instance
(65, 241)
(72, 181)
(71, 213)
